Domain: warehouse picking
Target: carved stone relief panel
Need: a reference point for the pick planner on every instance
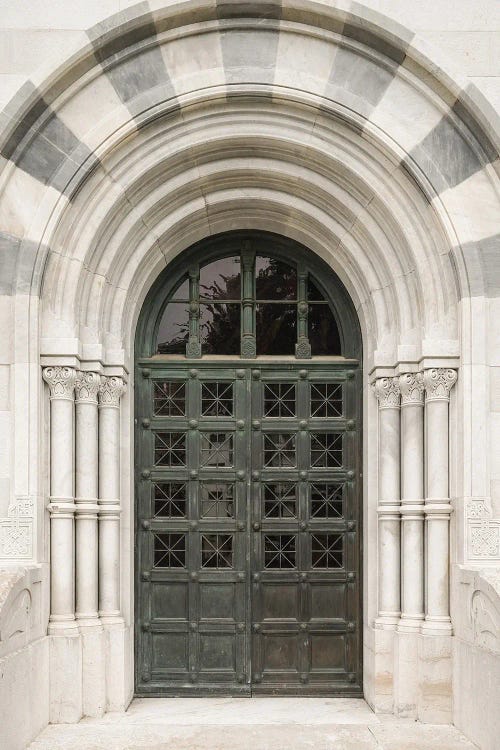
(483, 531)
(16, 531)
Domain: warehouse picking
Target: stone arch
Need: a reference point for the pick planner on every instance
(326, 123)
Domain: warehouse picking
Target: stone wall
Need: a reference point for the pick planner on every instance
(357, 134)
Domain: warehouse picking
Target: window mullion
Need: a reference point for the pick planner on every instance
(302, 347)
(193, 346)
(248, 341)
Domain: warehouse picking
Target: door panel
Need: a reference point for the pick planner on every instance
(247, 530)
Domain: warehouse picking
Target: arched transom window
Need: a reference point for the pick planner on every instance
(248, 303)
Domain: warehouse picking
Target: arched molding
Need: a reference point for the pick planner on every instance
(337, 117)
(352, 212)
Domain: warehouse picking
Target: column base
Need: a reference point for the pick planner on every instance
(60, 625)
(119, 662)
(93, 668)
(382, 669)
(410, 624)
(435, 679)
(65, 678)
(406, 671)
(387, 621)
(439, 626)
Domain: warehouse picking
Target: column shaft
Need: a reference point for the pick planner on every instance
(110, 391)
(412, 501)
(61, 381)
(86, 445)
(438, 383)
(387, 392)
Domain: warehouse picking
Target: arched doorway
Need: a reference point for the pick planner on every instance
(248, 496)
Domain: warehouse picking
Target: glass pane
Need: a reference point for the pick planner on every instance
(323, 332)
(279, 399)
(276, 328)
(279, 449)
(182, 291)
(169, 551)
(170, 500)
(220, 329)
(313, 292)
(326, 449)
(174, 329)
(280, 500)
(170, 449)
(217, 399)
(326, 399)
(169, 398)
(279, 551)
(327, 551)
(216, 449)
(275, 279)
(217, 551)
(217, 500)
(221, 279)
(327, 500)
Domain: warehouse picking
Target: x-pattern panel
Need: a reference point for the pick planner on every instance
(170, 499)
(326, 399)
(280, 500)
(217, 399)
(280, 400)
(170, 449)
(169, 398)
(217, 449)
(279, 450)
(217, 499)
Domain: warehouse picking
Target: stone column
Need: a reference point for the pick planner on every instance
(406, 667)
(65, 653)
(87, 587)
(412, 501)
(86, 498)
(388, 395)
(438, 384)
(110, 392)
(61, 382)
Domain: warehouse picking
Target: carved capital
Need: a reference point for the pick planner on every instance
(387, 392)
(111, 390)
(412, 388)
(86, 387)
(61, 382)
(438, 383)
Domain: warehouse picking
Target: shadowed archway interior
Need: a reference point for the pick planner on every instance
(248, 499)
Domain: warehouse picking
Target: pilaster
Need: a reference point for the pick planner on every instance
(87, 469)
(388, 394)
(65, 662)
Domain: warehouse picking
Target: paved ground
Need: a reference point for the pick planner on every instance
(249, 724)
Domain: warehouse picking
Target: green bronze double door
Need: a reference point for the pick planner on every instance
(248, 528)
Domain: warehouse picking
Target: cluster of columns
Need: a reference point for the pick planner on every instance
(414, 505)
(84, 501)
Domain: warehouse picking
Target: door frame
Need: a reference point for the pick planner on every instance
(351, 342)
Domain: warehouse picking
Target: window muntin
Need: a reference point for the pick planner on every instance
(248, 305)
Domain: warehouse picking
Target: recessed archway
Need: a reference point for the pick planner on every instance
(181, 121)
(248, 485)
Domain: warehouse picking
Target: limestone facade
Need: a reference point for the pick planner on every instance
(131, 131)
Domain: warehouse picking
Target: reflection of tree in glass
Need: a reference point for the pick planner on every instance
(323, 331)
(275, 279)
(276, 329)
(173, 332)
(220, 329)
(229, 289)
